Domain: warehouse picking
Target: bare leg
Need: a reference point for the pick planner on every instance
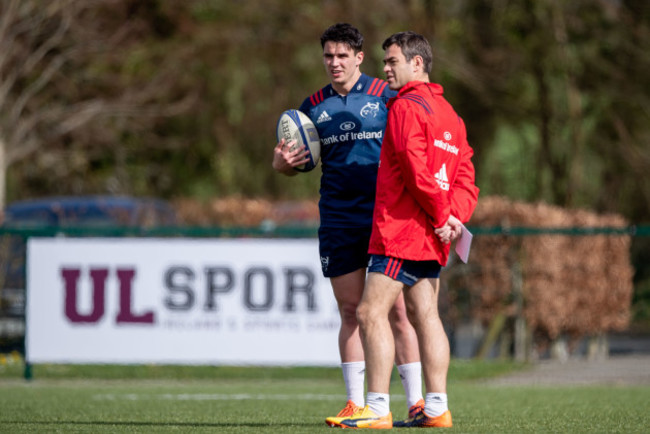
(406, 340)
(378, 299)
(422, 306)
(347, 291)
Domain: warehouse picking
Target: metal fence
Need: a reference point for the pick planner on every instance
(13, 251)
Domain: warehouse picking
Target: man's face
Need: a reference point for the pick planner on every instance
(341, 63)
(398, 71)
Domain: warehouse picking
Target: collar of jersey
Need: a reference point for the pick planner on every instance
(363, 81)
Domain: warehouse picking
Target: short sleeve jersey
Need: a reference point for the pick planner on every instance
(351, 129)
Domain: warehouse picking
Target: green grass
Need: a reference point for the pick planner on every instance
(459, 370)
(139, 399)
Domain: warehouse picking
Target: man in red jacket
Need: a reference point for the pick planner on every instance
(425, 189)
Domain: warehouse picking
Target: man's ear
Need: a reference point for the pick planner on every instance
(418, 64)
(359, 57)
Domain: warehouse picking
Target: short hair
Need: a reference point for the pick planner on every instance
(343, 33)
(412, 44)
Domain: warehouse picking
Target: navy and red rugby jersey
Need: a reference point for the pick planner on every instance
(351, 130)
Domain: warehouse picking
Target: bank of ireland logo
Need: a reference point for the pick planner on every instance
(347, 126)
(370, 109)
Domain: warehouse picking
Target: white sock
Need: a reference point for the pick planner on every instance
(379, 403)
(354, 376)
(435, 404)
(411, 376)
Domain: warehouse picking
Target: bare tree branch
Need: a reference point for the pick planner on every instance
(43, 79)
(46, 51)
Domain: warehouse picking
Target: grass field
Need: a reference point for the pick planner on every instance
(145, 399)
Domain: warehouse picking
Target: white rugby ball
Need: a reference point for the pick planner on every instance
(295, 125)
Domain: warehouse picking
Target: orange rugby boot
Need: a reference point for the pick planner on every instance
(363, 419)
(421, 420)
(414, 410)
(349, 409)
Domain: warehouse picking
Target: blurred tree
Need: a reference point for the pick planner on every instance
(181, 98)
(554, 94)
(67, 90)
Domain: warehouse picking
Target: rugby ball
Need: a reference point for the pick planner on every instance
(295, 125)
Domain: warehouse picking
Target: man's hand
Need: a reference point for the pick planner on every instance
(284, 160)
(450, 230)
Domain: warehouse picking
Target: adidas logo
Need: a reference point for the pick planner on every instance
(441, 177)
(324, 117)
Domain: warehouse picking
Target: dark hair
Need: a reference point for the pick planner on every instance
(412, 44)
(344, 33)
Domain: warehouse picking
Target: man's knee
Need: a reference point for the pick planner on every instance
(348, 313)
(421, 313)
(400, 321)
(363, 314)
(369, 314)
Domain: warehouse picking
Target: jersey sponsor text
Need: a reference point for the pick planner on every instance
(445, 146)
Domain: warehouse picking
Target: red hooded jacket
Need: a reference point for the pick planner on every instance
(425, 174)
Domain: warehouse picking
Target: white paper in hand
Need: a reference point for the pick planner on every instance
(463, 244)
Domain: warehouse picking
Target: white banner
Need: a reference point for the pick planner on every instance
(179, 301)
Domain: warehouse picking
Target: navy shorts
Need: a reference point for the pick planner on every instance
(343, 250)
(403, 270)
